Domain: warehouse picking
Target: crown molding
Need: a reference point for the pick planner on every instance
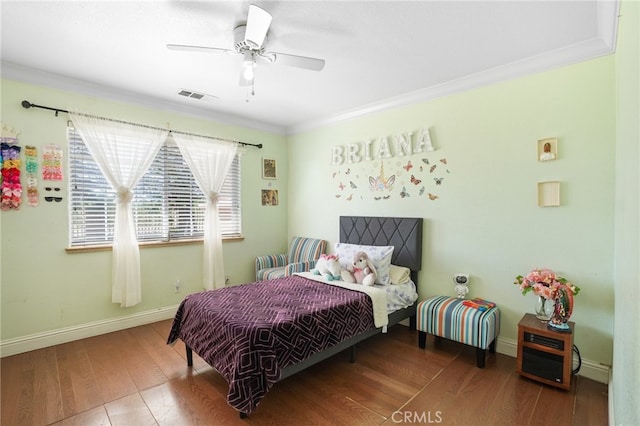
(603, 44)
(40, 77)
(580, 52)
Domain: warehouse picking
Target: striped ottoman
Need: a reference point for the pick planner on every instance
(447, 317)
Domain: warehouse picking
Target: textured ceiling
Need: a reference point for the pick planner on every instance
(378, 54)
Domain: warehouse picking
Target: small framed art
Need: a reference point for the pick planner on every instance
(549, 194)
(269, 170)
(269, 197)
(548, 149)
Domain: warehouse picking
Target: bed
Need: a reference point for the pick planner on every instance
(259, 333)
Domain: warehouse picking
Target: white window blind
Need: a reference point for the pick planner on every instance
(167, 203)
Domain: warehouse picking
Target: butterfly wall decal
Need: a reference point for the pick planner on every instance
(408, 166)
(341, 186)
(432, 168)
(438, 180)
(433, 197)
(415, 181)
(404, 193)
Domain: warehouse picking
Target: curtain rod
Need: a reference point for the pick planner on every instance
(27, 105)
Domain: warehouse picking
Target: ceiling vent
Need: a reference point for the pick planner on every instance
(194, 95)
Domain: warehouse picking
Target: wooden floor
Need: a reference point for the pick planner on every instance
(132, 378)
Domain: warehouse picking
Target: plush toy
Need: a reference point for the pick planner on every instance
(361, 271)
(328, 265)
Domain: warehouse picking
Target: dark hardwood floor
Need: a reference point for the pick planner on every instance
(132, 377)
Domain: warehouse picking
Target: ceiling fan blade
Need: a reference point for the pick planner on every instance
(186, 47)
(258, 22)
(313, 64)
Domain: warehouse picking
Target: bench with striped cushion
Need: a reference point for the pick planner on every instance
(447, 317)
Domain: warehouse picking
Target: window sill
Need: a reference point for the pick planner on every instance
(108, 247)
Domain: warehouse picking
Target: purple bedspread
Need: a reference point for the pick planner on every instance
(249, 333)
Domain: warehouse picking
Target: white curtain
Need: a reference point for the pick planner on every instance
(123, 153)
(209, 161)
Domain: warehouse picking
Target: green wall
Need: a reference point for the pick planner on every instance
(625, 380)
(486, 221)
(46, 288)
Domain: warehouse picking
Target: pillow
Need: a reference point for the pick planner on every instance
(399, 274)
(380, 256)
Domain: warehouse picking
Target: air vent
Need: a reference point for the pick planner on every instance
(189, 94)
(194, 95)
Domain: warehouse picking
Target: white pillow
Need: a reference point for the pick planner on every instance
(399, 274)
(380, 256)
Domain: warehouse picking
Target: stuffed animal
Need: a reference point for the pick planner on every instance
(361, 271)
(328, 265)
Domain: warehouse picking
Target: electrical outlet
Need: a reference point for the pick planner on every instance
(177, 286)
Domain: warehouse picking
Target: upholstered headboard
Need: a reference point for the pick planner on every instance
(405, 234)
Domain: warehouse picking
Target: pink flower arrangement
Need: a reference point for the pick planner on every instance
(545, 283)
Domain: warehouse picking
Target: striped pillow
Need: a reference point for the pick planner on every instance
(304, 249)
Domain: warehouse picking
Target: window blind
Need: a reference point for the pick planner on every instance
(168, 205)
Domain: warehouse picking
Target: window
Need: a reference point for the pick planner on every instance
(167, 203)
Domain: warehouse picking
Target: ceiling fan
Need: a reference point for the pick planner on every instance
(250, 43)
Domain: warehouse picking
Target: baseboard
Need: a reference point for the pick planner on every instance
(612, 417)
(589, 369)
(63, 335)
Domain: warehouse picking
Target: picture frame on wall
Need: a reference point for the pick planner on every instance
(269, 168)
(547, 149)
(269, 197)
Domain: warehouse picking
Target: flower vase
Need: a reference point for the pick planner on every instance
(544, 308)
(562, 310)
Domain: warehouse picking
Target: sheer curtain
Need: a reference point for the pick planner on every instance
(123, 153)
(209, 161)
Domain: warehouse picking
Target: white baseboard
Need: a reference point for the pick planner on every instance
(612, 417)
(589, 369)
(63, 335)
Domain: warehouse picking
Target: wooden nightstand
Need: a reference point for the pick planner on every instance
(544, 355)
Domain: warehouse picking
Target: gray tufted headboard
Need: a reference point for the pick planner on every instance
(405, 234)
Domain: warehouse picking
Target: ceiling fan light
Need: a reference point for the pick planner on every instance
(248, 65)
(247, 70)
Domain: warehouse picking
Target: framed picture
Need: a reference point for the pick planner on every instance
(547, 149)
(549, 194)
(269, 197)
(269, 168)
